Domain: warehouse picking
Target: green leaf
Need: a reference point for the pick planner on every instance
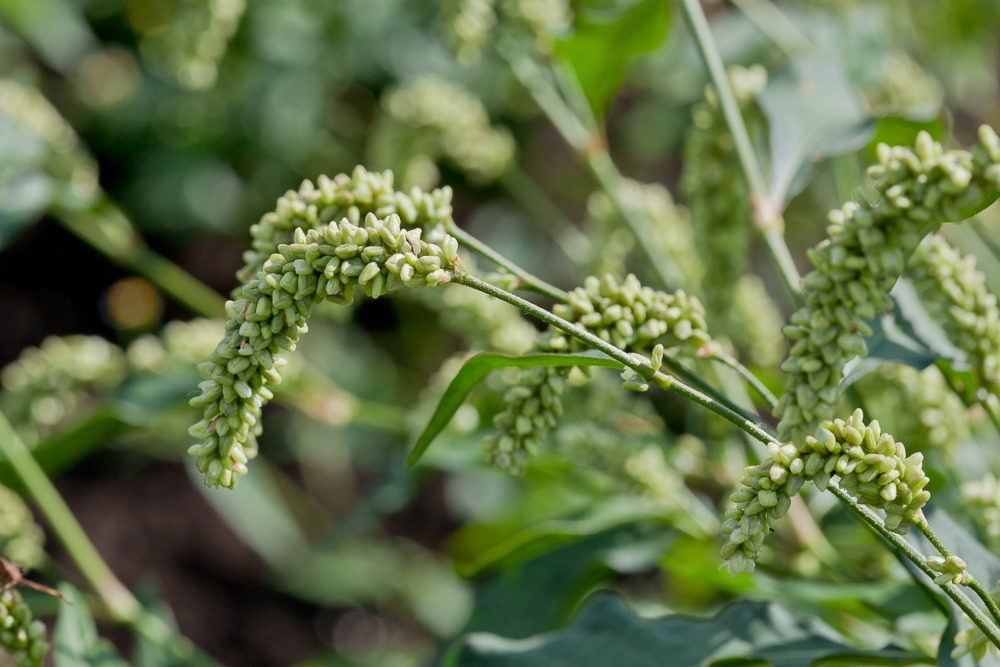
(606, 632)
(813, 111)
(606, 36)
(889, 344)
(76, 641)
(542, 537)
(478, 367)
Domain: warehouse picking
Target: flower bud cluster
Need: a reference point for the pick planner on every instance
(432, 119)
(857, 266)
(951, 570)
(469, 23)
(180, 343)
(50, 382)
(629, 316)
(190, 47)
(343, 196)
(972, 641)
(329, 263)
(982, 498)
(955, 295)
(924, 411)
(872, 467)
(904, 87)
(21, 636)
(21, 539)
(758, 318)
(673, 224)
(716, 191)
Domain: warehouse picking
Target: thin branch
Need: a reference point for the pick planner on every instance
(121, 604)
(591, 148)
(673, 384)
(748, 377)
(528, 281)
(925, 528)
(767, 216)
(574, 243)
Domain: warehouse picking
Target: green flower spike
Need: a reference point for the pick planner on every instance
(328, 263)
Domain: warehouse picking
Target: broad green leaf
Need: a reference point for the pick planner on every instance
(606, 632)
(606, 36)
(887, 345)
(76, 641)
(477, 368)
(813, 111)
(898, 131)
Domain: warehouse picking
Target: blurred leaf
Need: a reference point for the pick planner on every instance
(61, 452)
(545, 536)
(605, 37)
(22, 201)
(606, 632)
(887, 345)
(813, 111)
(55, 28)
(144, 652)
(76, 641)
(146, 395)
(478, 367)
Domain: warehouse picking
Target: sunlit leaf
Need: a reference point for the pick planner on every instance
(606, 35)
(478, 367)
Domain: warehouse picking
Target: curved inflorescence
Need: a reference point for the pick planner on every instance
(328, 263)
(872, 467)
(629, 316)
(861, 261)
(351, 197)
(21, 636)
(716, 190)
(955, 295)
(431, 119)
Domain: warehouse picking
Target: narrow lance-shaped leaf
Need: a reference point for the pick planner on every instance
(477, 368)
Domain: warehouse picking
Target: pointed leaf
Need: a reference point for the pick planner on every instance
(478, 367)
(76, 641)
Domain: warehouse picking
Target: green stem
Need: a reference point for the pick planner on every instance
(767, 217)
(777, 27)
(106, 229)
(717, 404)
(592, 150)
(902, 546)
(122, 605)
(528, 281)
(925, 529)
(750, 378)
(673, 384)
(574, 243)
